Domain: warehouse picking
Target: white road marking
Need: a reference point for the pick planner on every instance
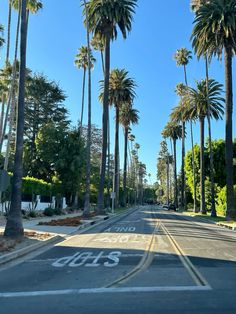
(102, 290)
(81, 259)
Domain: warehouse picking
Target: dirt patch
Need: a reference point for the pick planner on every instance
(69, 222)
(8, 244)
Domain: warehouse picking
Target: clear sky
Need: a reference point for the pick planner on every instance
(159, 28)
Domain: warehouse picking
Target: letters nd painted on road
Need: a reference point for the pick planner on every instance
(87, 259)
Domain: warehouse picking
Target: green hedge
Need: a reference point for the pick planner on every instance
(36, 186)
(221, 201)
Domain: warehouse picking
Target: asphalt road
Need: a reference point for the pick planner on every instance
(151, 261)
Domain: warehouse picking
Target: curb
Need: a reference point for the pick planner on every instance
(57, 238)
(21, 252)
(220, 224)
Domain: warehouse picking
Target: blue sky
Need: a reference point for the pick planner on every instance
(159, 28)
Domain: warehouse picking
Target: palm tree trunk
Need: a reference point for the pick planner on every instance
(116, 157)
(193, 163)
(125, 166)
(102, 58)
(108, 163)
(230, 211)
(194, 172)
(175, 175)
(8, 32)
(86, 212)
(202, 168)
(2, 117)
(167, 180)
(82, 102)
(10, 100)
(213, 206)
(183, 184)
(100, 205)
(14, 226)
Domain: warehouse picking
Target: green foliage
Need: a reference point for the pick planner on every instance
(221, 201)
(49, 211)
(36, 186)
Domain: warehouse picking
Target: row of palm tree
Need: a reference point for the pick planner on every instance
(213, 33)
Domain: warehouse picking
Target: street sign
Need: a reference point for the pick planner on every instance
(4, 180)
(113, 195)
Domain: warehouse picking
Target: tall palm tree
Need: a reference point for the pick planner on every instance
(215, 31)
(201, 100)
(182, 58)
(128, 116)
(173, 131)
(81, 61)
(121, 91)
(86, 211)
(181, 91)
(14, 226)
(195, 6)
(104, 19)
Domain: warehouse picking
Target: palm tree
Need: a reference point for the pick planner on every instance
(128, 116)
(121, 91)
(98, 44)
(173, 131)
(14, 226)
(195, 5)
(2, 41)
(214, 31)
(181, 91)
(104, 19)
(86, 211)
(81, 61)
(202, 100)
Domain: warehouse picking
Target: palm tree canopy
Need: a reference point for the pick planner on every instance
(181, 89)
(172, 130)
(32, 5)
(182, 56)
(105, 15)
(198, 100)
(98, 43)
(2, 41)
(121, 88)
(81, 59)
(215, 28)
(196, 4)
(128, 116)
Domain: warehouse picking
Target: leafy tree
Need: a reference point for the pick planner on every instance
(214, 31)
(104, 18)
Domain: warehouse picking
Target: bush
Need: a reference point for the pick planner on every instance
(49, 211)
(32, 214)
(221, 201)
(57, 211)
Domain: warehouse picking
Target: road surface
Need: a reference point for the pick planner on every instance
(150, 261)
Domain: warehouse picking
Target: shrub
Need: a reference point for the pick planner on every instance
(57, 211)
(221, 201)
(49, 211)
(32, 214)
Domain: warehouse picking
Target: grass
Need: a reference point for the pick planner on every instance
(218, 219)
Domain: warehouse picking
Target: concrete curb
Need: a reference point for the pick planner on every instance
(220, 224)
(57, 238)
(26, 250)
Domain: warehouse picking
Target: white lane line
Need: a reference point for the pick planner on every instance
(102, 290)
